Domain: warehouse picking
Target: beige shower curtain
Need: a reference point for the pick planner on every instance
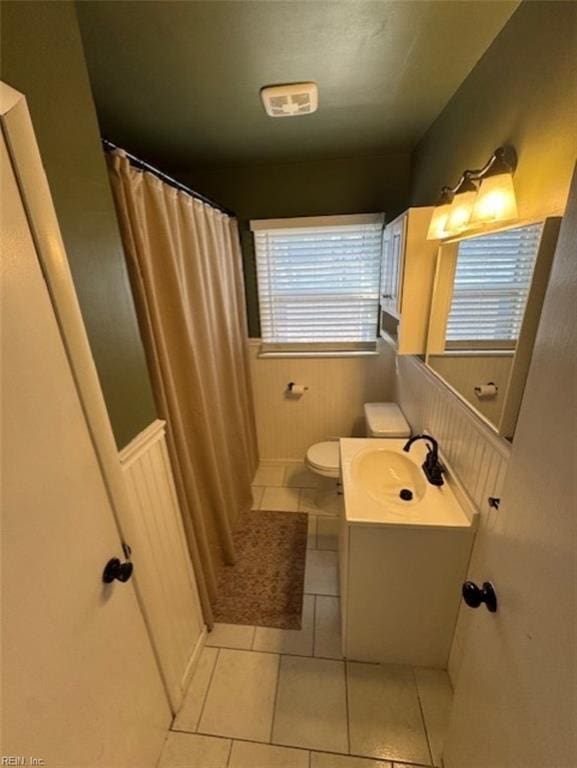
(185, 266)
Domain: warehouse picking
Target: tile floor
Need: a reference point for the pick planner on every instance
(272, 698)
(288, 488)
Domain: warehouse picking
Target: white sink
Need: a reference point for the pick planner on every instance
(385, 485)
(388, 477)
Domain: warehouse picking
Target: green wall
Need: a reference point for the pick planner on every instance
(522, 92)
(311, 188)
(42, 57)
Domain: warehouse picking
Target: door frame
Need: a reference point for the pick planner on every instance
(18, 131)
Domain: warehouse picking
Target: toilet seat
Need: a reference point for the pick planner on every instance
(382, 420)
(324, 458)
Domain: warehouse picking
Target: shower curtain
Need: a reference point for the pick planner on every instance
(186, 273)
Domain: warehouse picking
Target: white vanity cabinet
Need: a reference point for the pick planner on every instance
(400, 592)
(407, 275)
(402, 562)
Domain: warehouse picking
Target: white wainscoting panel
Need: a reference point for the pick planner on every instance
(476, 454)
(465, 372)
(332, 406)
(162, 567)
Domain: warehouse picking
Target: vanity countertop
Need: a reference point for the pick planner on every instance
(375, 471)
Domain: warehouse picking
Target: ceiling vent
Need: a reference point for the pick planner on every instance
(290, 100)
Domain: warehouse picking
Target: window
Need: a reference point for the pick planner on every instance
(492, 281)
(318, 281)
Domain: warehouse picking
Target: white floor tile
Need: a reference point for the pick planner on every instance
(436, 695)
(298, 476)
(324, 760)
(328, 628)
(384, 713)
(257, 493)
(321, 574)
(293, 641)
(408, 765)
(311, 705)
(237, 636)
(312, 532)
(189, 714)
(314, 503)
(328, 533)
(240, 698)
(307, 502)
(185, 750)
(280, 500)
(267, 475)
(248, 755)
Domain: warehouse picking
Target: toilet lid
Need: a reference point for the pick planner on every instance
(386, 420)
(325, 455)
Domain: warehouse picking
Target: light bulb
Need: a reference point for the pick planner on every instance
(496, 200)
(437, 227)
(461, 210)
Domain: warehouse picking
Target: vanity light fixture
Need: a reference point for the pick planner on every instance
(496, 200)
(480, 197)
(461, 208)
(440, 217)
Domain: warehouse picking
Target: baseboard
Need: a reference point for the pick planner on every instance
(193, 661)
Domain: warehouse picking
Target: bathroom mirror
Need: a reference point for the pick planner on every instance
(485, 310)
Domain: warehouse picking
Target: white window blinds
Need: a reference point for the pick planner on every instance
(492, 281)
(319, 283)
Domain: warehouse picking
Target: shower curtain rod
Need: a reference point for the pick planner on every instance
(109, 146)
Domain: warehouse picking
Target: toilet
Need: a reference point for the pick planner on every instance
(382, 420)
(323, 458)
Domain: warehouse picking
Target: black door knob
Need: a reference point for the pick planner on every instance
(115, 570)
(475, 596)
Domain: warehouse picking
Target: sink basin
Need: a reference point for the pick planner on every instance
(384, 485)
(388, 477)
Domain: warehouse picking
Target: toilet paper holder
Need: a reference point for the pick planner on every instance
(296, 389)
(486, 391)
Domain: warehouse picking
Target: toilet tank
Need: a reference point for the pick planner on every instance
(385, 420)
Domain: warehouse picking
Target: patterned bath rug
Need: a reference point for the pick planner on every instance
(265, 586)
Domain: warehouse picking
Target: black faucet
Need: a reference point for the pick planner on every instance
(432, 467)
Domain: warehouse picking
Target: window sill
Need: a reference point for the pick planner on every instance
(277, 351)
(480, 352)
(317, 354)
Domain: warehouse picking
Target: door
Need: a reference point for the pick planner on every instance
(163, 579)
(515, 702)
(392, 265)
(398, 249)
(386, 269)
(80, 685)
